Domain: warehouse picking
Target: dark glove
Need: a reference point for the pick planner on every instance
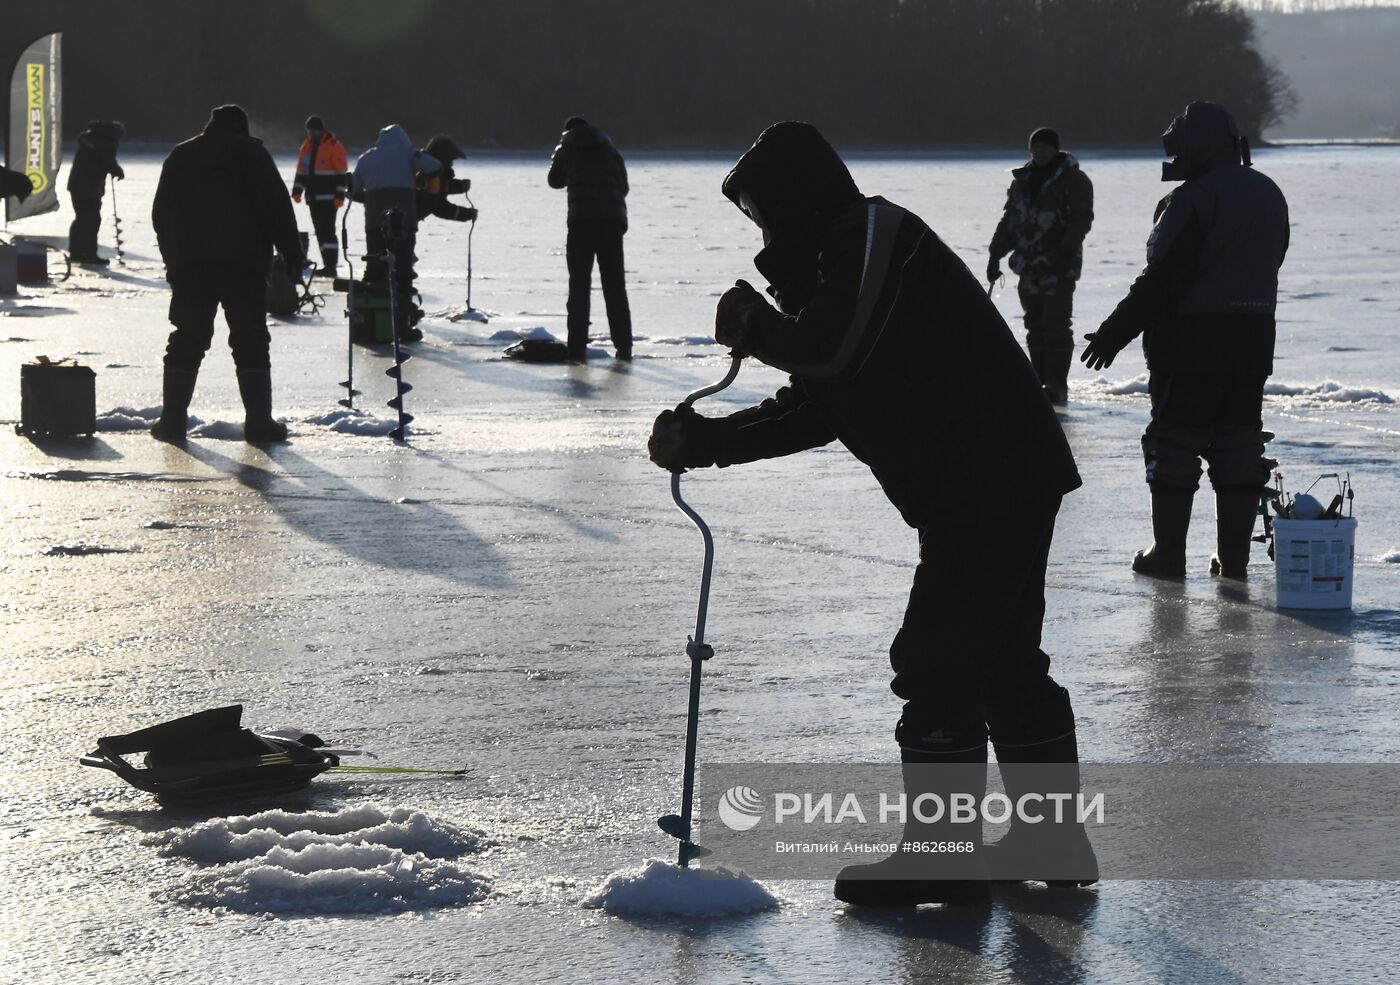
(118, 173)
(741, 312)
(1100, 351)
(680, 440)
(993, 270)
(466, 215)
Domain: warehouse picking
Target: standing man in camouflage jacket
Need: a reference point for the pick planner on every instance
(1049, 209)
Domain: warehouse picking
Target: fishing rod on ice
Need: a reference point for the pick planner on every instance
(678, 826)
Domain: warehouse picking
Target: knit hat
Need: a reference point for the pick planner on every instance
(1045, 136)
(314, 123)
(574, 121)
(229, 118)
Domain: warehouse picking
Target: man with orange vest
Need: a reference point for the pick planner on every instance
(323, 176)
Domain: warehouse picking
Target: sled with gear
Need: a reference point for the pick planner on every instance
(209, 756)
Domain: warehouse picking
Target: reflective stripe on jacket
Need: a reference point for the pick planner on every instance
(321, 168)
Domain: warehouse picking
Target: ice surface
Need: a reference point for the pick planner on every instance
(658, 888)
(361, 860)
(511, 590)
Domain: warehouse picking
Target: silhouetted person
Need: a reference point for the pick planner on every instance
(219, 210)
(384, 179)
(590, 167)
(323, 178)
(871, 305)
(94, 160)
(431, 191)
(1049, 209)
(1205, 305)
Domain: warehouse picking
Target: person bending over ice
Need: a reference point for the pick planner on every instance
(871, 307)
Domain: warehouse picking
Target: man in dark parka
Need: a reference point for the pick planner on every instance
(871, 308)
(220, 209)
(590, 167)
(1205, 306)
(1049, 210)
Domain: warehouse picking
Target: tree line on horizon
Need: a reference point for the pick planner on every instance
(663, 74)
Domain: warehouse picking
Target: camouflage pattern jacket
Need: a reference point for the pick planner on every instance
(1044, 229)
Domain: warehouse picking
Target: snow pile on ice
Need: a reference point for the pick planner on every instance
(1329, 392)
(516, 334)
(359, 860)
(1391, 556)
(353, 422)
(217, 430)
(1138, 384)
(133, 419)
(685, 340)
(664, 888)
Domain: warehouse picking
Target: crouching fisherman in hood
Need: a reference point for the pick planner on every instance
(95, 159)
(432, 189)
(871, 308)
(384, 180)
(1204, 305)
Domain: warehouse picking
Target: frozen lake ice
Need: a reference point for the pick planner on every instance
(510, 592)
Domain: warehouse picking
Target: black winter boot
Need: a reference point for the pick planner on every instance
(330, 256)
(1171, 516)
(1055, 852)
(177, 389)
(259, 427)
(917, 872)
(1056, 375)
(1235, 512)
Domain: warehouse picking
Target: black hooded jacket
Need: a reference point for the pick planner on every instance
(1207, 296)
(590, 167)
(95, 159)
(430, 196)
(220, 203)
(893, 346)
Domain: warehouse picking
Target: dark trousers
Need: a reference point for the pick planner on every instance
(323, 221)
(376, 244)
(1211, 416)
(968, 661)
(195, 297)
(601, 238)
(87, 220)
(1047, 318)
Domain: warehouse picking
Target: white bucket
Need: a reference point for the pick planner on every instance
(1313, 562)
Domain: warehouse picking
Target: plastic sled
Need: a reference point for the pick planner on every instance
(209, 756)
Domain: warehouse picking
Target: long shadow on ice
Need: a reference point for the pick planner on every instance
(413, 536)
(75, 449)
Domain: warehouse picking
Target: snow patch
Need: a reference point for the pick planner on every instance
(217, 430)
(663, 888)
(516, 334)
(1138, 384)
(1329, 392)
(359, 860)
(130, 419)
(356, 422)
(685, 340)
